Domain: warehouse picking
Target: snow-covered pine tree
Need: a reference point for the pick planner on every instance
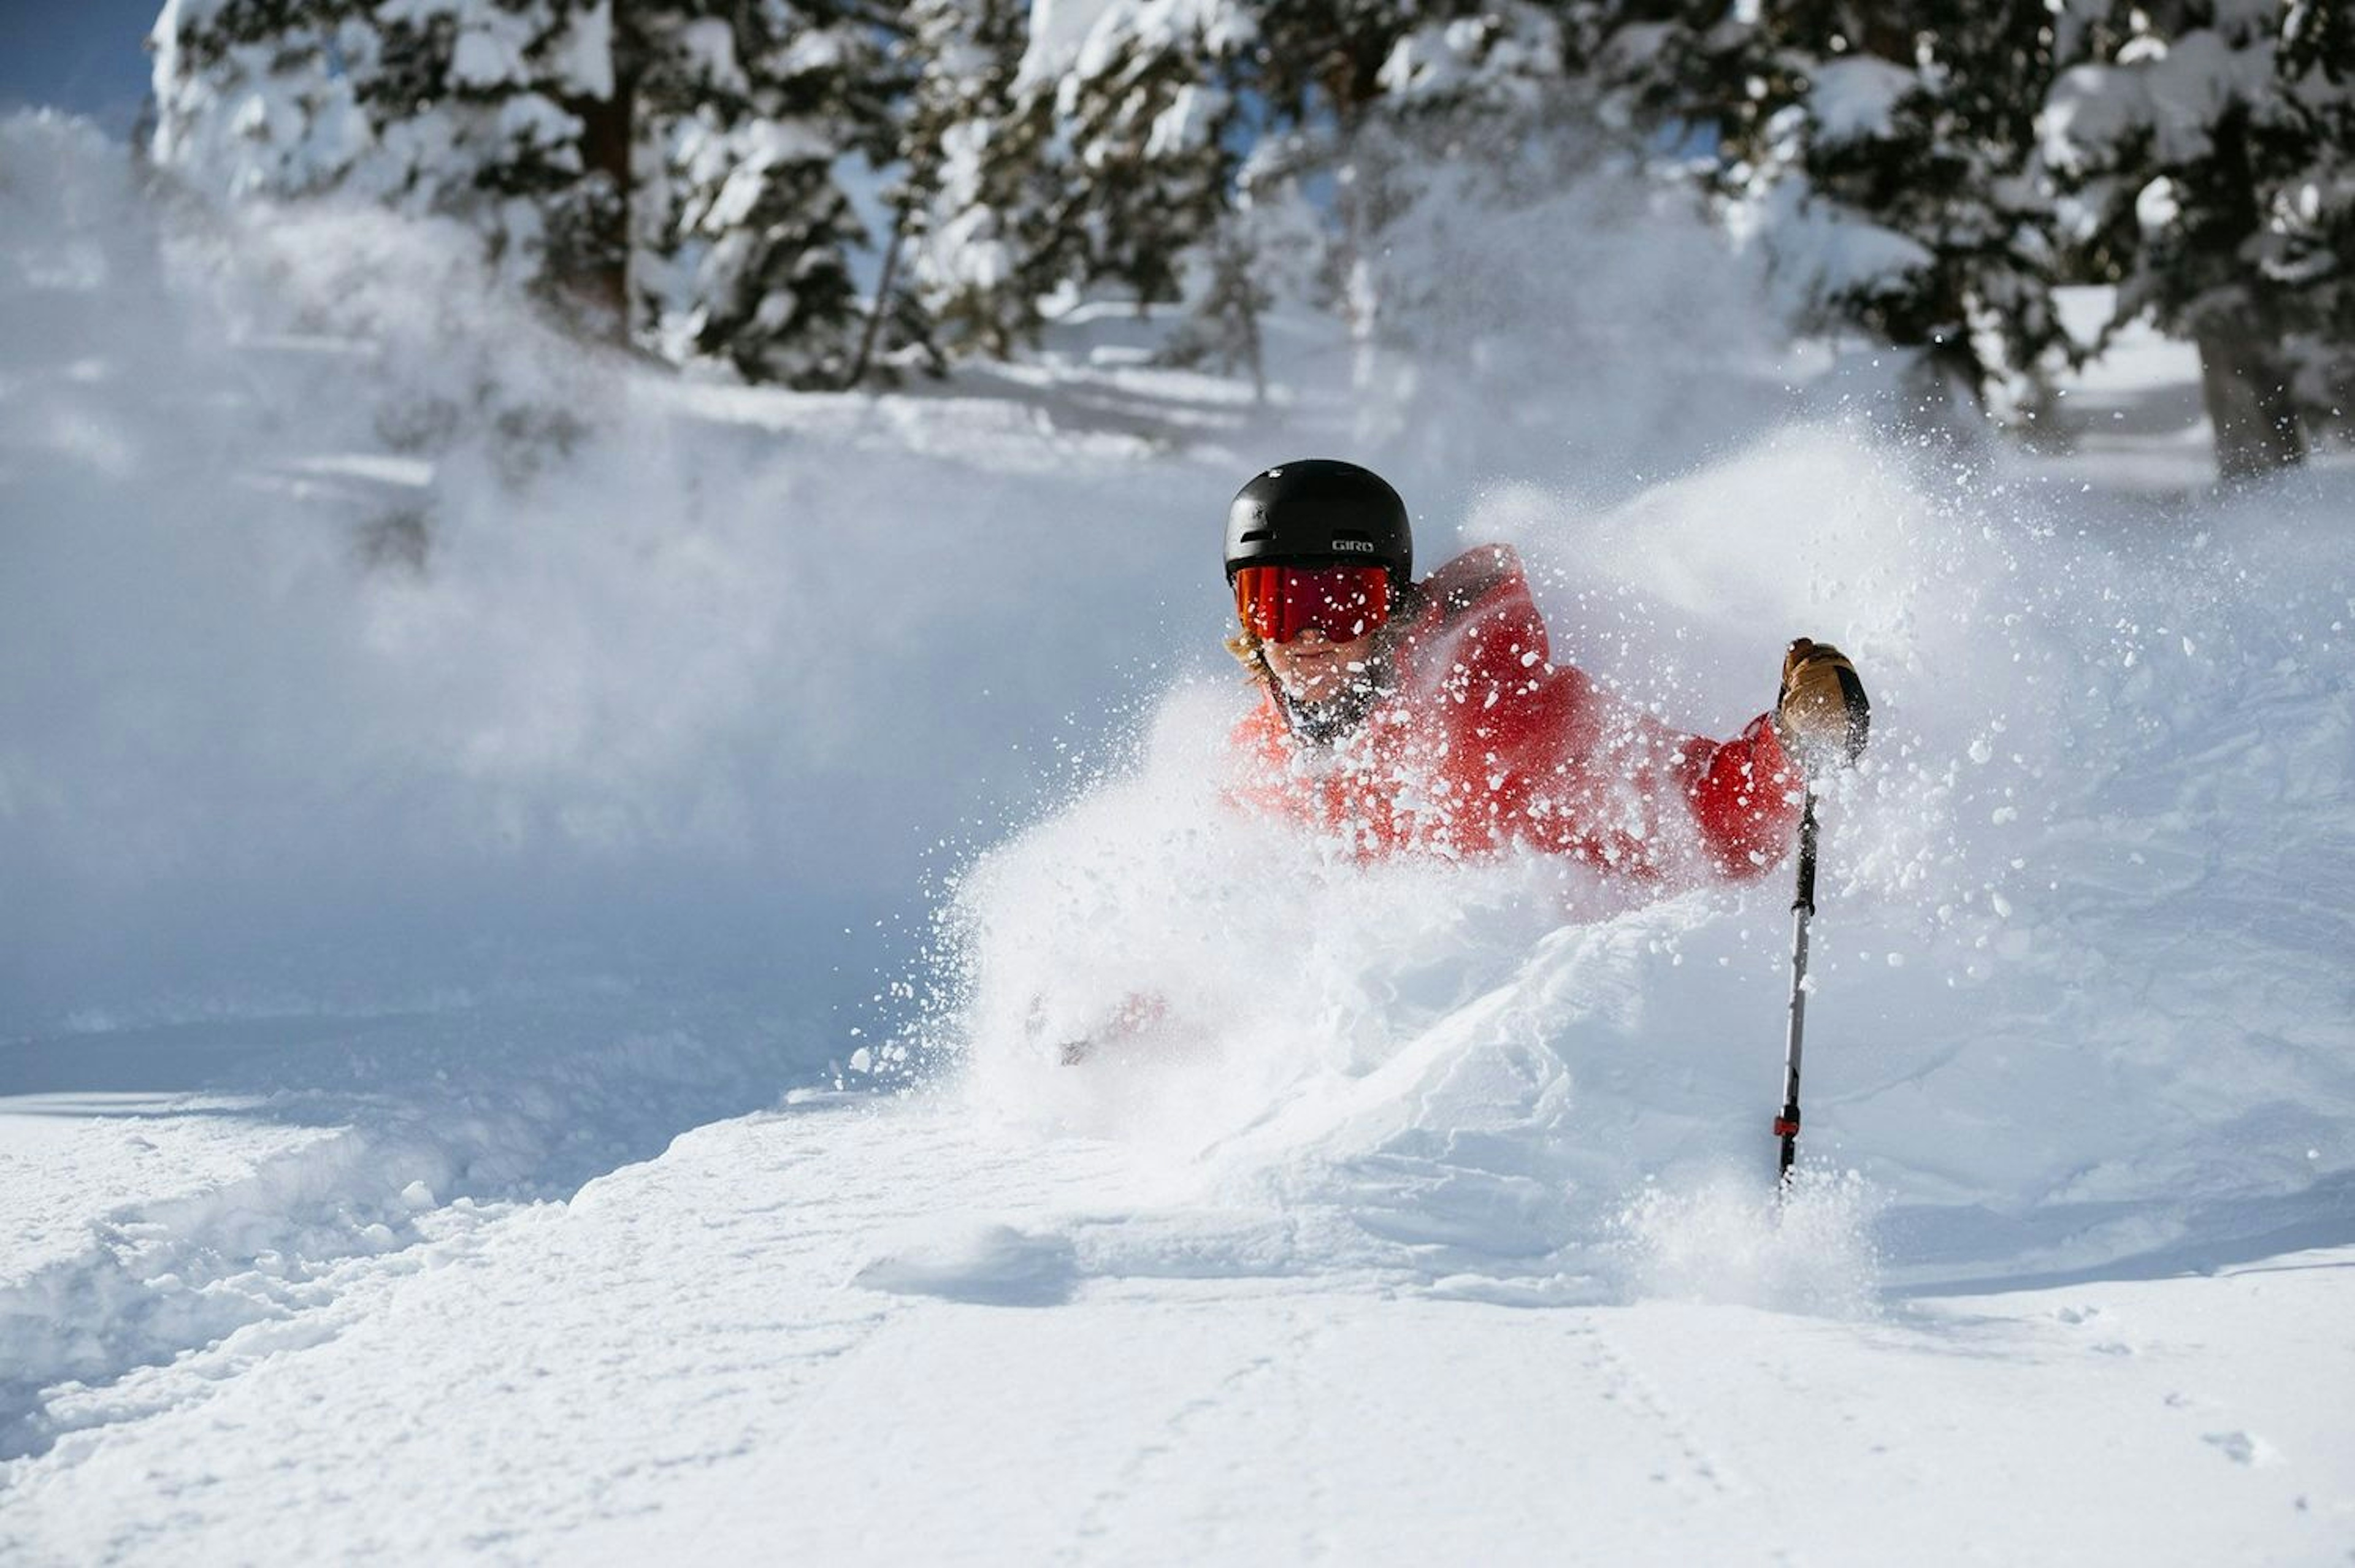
(585, 141)
(754, 109)
(467, 101)
(1142, 113)
(1884, 154)
(2314, 247)
(1061, 148)
(1476, 114)
(2207, 145)
(453, 107)
(1311, 72)
(980, 188)
(1319, 62)
(249, 100)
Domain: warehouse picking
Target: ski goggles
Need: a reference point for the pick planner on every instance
(1276, 603)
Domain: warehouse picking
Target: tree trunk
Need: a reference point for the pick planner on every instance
(603, 288)
(883, 285)
(2249, 403)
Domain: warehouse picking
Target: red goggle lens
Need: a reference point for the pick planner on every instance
(1277, 603)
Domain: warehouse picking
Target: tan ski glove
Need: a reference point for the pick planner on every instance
(1822, 714)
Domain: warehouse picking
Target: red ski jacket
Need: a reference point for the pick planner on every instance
(1483, 742)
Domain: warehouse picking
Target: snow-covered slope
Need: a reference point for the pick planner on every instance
(445, 779)
(884, 1334)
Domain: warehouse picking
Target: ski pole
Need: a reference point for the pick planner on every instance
(1803, 906)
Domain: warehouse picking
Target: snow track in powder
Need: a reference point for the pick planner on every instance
(682, 1354)
(351, 1147)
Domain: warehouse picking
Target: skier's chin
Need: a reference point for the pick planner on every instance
(1334, 715)
(1315, 685)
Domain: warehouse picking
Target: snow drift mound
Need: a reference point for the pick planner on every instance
(2081, 984)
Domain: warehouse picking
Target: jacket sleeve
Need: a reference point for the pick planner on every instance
(1604, 781)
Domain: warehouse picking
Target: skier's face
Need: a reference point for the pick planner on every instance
(1312, 668)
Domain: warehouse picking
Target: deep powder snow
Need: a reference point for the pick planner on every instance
(456, 770)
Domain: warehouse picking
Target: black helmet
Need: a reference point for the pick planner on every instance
(1316, 512)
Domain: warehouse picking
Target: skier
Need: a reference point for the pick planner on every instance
(1431, 716)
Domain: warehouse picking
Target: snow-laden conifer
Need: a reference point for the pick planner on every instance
(682, 168)
(460, 108)
(981, 191)
(247, 100)
(1884, 157)
(756, 106)
(2208, 149)
(1473, 115)
(1077, 148)
(473, 106)
(1142, 114)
